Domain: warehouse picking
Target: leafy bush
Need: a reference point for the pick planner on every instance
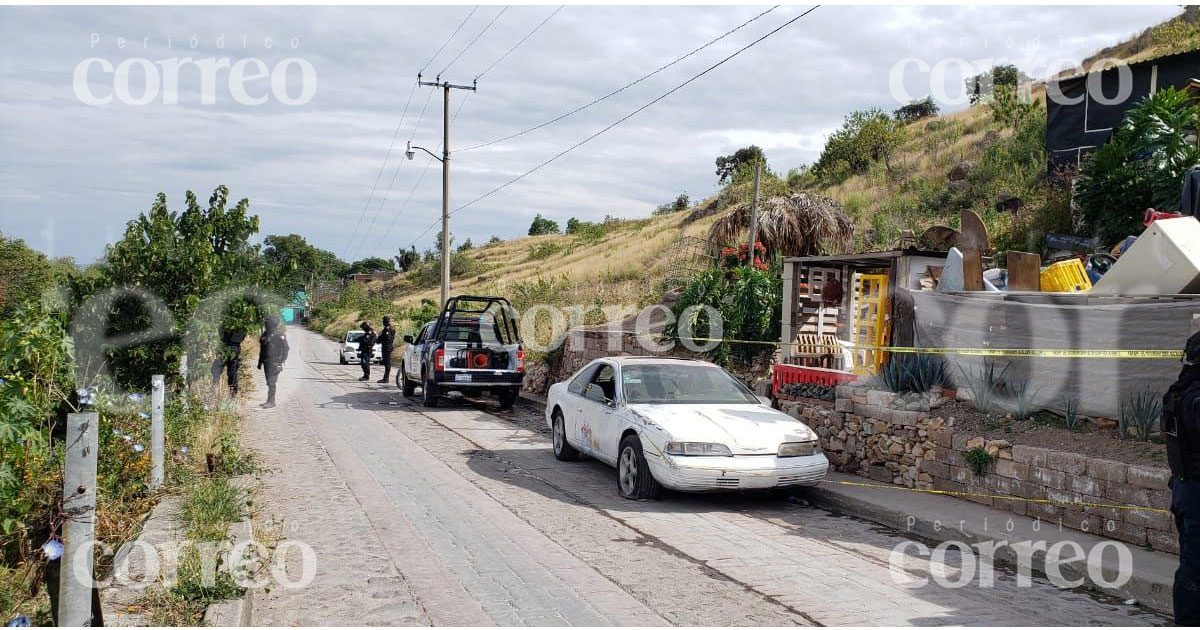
(681, 203)
(979, 460)
(542, 251)
(1142, 166)
(981, 87)
(916, 110)
(866, 137)
(747, 304)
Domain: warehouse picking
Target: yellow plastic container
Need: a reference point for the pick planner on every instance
(1067, 276)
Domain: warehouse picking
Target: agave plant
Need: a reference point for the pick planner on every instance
(796, 225)
(1140, 411)
(1023, 400)
(983, 382)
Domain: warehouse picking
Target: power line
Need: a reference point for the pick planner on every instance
(392, 182)
(391, 145)
(382, 167)
(447, 42)
(472, 42)
(620, 89)
(623, 118)
(428, 163)
(522, 41)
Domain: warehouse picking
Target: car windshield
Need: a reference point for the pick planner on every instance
(681, 383)
(353, 335)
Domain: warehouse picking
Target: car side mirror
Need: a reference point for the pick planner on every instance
(408, 338)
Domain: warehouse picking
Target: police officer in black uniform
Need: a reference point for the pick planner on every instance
(272, 352)
(229, 358)
(1181, 427)
(366, 350)
(387, 339)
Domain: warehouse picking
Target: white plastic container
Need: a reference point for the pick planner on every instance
(1164, 260)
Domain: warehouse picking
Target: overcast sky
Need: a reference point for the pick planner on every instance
(72, 173)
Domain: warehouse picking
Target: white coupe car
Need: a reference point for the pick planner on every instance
(680, 424)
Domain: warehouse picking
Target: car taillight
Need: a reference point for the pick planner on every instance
(439, 360)
(520, 359)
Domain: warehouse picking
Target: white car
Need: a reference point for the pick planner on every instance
(349, 352)
(681, 424)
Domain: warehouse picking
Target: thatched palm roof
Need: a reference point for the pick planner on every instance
(797, 225)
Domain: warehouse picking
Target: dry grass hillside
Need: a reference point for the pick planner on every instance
(625, 265)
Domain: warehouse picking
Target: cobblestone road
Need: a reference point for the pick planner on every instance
(460, 515)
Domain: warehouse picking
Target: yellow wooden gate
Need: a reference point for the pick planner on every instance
(871, 325)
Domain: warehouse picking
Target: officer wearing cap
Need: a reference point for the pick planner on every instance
(1181, 427)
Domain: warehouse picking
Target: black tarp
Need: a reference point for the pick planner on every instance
(1077, 128)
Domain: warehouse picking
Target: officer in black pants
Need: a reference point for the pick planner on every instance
(272, 352)
(1181, 427)
(229, 358)
(387, 339)
(366, 349)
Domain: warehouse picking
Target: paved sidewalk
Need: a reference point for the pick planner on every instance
(941, 518)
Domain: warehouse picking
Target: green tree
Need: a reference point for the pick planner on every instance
(681, 203)
(407, 258)
(738, 165)
(916, 110)
(370, 265)
(866, 137)
(467, 244)
(24, 274)
(179, 258)
(982, 86)
(542, 225)
(494, 240)
(290, 263)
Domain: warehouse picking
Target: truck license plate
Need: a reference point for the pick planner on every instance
(462, 378)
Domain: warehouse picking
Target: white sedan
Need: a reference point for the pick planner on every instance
(349, 351)
(680, 424)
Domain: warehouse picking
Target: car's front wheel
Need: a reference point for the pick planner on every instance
(342, 359)
(406, 386)
(563, 451)
(634, 480)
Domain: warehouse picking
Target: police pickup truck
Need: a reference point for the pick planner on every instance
(473, 345)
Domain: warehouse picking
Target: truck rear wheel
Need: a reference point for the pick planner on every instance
(508, 396)
(429, 392)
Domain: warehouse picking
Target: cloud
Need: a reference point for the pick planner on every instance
(75, 173)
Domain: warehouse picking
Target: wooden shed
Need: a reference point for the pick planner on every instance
(834, 305)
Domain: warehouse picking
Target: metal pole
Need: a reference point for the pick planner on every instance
(156, 431)
(754, 214)
(446, 194)
(79, 520)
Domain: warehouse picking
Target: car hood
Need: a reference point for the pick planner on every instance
(745, 429)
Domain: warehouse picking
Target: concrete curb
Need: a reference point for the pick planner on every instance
(940, 518)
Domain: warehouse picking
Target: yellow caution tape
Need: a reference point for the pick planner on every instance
(1060, 353)
(1005, 497)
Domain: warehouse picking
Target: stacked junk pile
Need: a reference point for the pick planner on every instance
(1090, 328)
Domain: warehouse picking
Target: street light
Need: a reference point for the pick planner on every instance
(409, 153)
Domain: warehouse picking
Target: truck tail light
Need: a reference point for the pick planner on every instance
(439, 360)
(520, 359)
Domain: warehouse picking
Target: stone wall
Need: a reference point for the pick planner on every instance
(905, 440)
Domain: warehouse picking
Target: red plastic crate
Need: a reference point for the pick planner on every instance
(786, 374)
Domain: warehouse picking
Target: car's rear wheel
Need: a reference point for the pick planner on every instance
(634, 480)
(429, 392)
(406, 386)
(563, 451)
(508, 396)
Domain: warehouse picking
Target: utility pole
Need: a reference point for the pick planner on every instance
(446, 86)
(754, 214)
